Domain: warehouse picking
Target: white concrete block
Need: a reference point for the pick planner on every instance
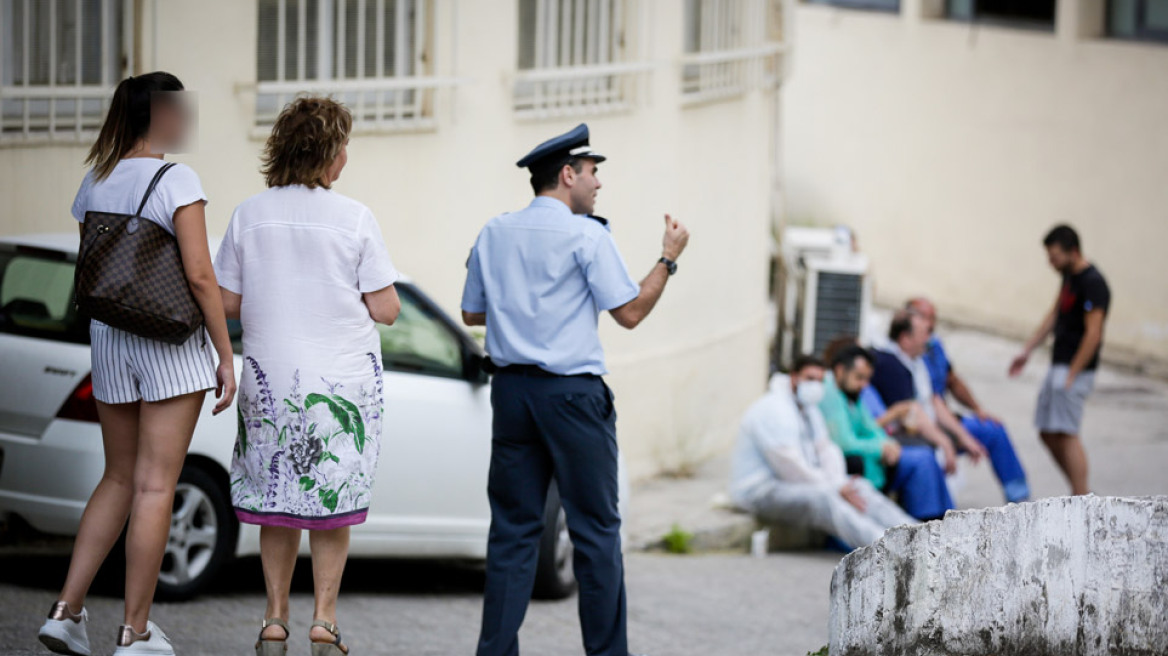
(1071, 576)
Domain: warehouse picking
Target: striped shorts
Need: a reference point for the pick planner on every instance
(129, 368)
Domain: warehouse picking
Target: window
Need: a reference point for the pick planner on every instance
(372, 55)
(420, 341)
(880, 5)
(36, 296)
(1145, 20)
(59, 60)
(731, 47)
(576, 57)
(1034, 14)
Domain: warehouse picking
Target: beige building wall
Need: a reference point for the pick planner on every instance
(951, 149)
(683, 377)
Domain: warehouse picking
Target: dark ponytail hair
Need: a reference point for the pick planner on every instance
(127, 120)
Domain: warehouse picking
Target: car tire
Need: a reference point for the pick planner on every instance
(203, 535)
(554, 576)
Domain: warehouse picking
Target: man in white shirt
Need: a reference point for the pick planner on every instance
(902, 375)
(786, 468)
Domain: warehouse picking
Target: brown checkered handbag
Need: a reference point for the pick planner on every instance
(130, 275)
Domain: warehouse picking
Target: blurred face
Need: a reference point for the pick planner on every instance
(582, 187)
(928, 313)
(334, 171)
(1063, 261)
(172, 119)
(915, 342)
(852, 382)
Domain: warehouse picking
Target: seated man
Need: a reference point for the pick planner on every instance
(912, 471)
(901, 375)
(786, 468)
(903, 417)
(907, 423)
(984, 427)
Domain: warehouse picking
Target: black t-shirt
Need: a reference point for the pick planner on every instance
(1081, 293)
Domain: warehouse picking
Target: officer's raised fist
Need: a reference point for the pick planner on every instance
(676, 238)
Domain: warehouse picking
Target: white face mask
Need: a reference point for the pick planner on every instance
(809, 393)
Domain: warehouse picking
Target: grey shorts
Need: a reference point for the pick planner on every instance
(1060, 410)
(129, 368)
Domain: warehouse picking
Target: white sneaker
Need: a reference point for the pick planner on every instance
(154, 642)
(64, 633)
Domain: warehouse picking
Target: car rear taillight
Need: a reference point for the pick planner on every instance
(80, 406)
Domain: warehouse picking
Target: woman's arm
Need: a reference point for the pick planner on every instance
(384, 305)
(190, 227)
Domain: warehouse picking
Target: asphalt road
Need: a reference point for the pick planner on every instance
(722, 605)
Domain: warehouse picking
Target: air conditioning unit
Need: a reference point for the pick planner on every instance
(823, 292)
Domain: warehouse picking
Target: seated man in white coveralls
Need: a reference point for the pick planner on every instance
(786, 468)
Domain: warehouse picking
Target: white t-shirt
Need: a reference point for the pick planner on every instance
(122, 191)
(921, 380)
(301, 259)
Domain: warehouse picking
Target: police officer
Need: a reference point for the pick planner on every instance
(538, 279)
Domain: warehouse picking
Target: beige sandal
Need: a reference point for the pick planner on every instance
(334, 648)
(269, 647)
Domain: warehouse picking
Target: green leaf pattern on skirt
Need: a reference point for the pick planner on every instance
(314, 452)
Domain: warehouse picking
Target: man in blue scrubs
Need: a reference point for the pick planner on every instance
(538, 279)
(984, 427)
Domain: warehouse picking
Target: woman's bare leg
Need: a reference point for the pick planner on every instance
(278, 549)
(165, 430)
(109, 506)
(330, 551)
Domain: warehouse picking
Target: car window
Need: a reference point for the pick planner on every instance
(36, 296)
(235, 332)
(420, 342)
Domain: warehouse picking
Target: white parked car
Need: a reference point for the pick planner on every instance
(430, 497)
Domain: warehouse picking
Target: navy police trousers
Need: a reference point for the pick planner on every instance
(563, 427)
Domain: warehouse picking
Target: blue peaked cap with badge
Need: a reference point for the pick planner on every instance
(573, 143)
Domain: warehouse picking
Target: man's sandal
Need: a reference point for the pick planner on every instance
(268, 646)
(331, 648)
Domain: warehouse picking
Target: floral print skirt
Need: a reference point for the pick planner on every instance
(307, 446)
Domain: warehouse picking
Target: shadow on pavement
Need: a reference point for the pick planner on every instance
(245, 576)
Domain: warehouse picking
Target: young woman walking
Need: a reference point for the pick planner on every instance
(149, 393)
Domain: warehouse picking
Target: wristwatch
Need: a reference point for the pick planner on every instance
(670, 265)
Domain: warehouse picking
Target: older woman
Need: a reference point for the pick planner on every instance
(307, 272)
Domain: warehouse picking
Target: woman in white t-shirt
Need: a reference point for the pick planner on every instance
(149, 393)
(306, 271)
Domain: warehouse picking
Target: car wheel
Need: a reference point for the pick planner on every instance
(554, 577)
(203, 532)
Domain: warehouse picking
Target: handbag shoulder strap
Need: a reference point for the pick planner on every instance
(154, 183)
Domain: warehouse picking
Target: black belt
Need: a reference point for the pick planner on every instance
(537, 372)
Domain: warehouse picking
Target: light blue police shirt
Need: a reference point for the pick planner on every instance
(543, 275)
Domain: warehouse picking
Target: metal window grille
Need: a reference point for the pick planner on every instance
(575, 57)
(371, 55)
(58, 62)
(731, 47)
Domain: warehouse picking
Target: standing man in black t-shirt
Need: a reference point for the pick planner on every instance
(1077, 323)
